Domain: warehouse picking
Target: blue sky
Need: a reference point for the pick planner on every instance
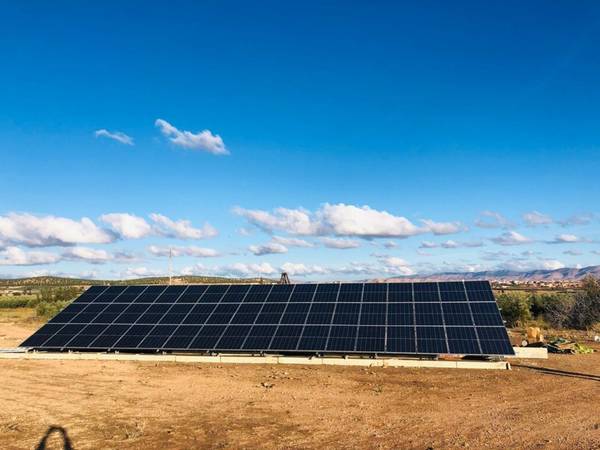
(335, 140)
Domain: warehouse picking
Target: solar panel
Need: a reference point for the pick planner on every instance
(350, 318)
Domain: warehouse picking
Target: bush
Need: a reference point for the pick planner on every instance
(18, 302)
(559, 312)
(586, 307)
(50, 309)
(515, 308)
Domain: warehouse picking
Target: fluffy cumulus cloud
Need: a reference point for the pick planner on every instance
(268, 249)
(302, 270)
(247, 270)
(567, 239)
(511, 238)
(363, 221)
(181, 229)
(176, 251)
(342, 220)
(493, 219)
(91, 255)
(115, 136)
(142, 272)
(43, 231)
(536, 218)
(292, 242)
(340, 243)
(577, 219)
(202, 140)
(443, 227)
(127, 225)
(450, 244)
(394, 265)
(293, 221)
(15, 256)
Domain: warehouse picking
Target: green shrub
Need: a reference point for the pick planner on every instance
(586, 308)
(13, 302)
(50, 309)
(515, 308)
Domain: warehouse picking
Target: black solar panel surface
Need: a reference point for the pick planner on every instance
(394, 318)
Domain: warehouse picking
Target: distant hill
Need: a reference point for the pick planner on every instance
(64, 281)
(508, 275)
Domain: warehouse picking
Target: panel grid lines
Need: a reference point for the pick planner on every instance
(232, 316)
(209, 316)
(135, 323)
(105, 290)
(362, 294)
(167, 312)
(472, 317)
(443, 318)
(118, 297)
(312, 302)
(287, 304)
(348, 318)
(337, 299)
(256, 317)
(61, 328)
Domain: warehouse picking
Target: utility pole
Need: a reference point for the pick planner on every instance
(170, 266)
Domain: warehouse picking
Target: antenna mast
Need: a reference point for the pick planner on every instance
(170, 265)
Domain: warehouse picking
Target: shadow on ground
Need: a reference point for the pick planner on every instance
(67, 445)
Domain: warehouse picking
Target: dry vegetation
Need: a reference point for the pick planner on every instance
(135, 405)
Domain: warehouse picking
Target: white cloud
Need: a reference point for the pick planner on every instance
(116, 136)
(181, 229)
(350, 220)
(268, 249)
(492, 219)
(395, 265)
(15, 256)
(293, 221)
(127, 225)
(301, 270)
(552, 264)
(91, 255)
(176, 251)
(572, 252)
(339, 220)
(292, 242)
(596, 252)
(443, 227)
(247, 270)
(577, 219)
(340, 243)
(567, 239)
(535, 218)
(203, 140)
(43, 231)
(142, 272)
(244, 231)
(390, 244)
(511, 238)
(450, 244)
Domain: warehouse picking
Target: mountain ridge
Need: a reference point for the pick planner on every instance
(564, 274)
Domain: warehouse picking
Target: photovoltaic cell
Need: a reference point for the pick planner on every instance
(369, 318)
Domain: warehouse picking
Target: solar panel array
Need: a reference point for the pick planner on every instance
(367, 318)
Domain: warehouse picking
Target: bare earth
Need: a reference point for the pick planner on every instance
(134, 405)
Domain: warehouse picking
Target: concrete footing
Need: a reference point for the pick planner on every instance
(268, 359)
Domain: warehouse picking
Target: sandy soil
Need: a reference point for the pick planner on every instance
(132, 405)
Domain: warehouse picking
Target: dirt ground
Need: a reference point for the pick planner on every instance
(135, 405)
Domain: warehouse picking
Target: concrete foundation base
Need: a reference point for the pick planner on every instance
(269, 359)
